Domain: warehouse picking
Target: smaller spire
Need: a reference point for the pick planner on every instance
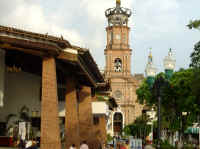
(150, 68)
(118, 3)
(150, 57)
(170, 52)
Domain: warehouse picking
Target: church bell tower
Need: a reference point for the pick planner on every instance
(118, 68)
(118, 52)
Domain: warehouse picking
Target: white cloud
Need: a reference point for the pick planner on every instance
(32, 18)
(95, 9)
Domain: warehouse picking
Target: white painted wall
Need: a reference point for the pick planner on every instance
(99, 108)
(21, 89)
(2, 74)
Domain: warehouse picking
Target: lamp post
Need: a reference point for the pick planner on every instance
(151, 115)
(184, 114)
(158, 83)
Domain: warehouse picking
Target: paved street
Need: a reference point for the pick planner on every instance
(148, 147)
(8, 148)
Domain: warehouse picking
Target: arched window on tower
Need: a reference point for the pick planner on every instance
(118, 65)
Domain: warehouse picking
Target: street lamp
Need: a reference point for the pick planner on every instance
(158, 83)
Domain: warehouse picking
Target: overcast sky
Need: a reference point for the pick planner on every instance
(160, 24)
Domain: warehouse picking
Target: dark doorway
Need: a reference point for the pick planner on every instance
(118, 123)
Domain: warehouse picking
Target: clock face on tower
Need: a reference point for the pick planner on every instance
(118, 65)
(118, 94)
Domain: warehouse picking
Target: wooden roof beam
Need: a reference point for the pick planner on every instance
(28, 51)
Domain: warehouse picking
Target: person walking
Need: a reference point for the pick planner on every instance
(72, 146)
(84, 145)
(123, 146)
(127, 145)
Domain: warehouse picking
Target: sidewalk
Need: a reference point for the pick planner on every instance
(8, 148)
(149, 147)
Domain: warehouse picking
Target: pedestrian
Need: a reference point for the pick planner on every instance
(84, 145)
(72, 146)
(21, 144)
(122, 146)
(31, 144)
(127, 145)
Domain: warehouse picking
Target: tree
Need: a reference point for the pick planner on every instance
(195, 56)
(177, 97)
(194, 24)
(195, 64)
(139, 127)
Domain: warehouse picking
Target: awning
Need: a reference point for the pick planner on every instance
(192, 130)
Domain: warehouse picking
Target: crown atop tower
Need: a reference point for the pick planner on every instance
(118, 2)
(118, 15)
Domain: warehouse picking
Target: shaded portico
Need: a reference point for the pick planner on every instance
(56, 61)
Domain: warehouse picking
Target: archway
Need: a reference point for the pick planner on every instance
(118, 123)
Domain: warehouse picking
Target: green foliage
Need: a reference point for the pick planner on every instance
(139, 128)
(194, 24)
(180, 94)
(101, 98)
(109, 137)
(166, 145)
(196, 86)
(145, 95)
(195, 56)
(189, 146)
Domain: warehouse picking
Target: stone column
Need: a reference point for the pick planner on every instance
(50, 131)
(71, 115)
(2, 76)
(85, 116)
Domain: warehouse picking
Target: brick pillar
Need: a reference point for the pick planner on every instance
(50, 131)
(102, 127)
(85, 115)
(71, 115)
(100, 131)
